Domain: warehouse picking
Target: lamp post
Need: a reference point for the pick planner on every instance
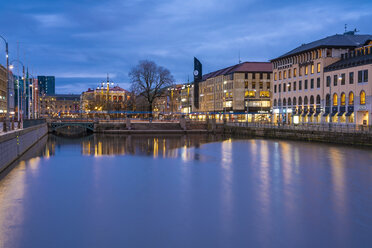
(18, 85)
(7, 83)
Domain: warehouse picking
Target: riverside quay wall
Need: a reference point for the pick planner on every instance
(16, 143)
(339, 137)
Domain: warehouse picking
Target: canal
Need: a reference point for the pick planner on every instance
(186, 191)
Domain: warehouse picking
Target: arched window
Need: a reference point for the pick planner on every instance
(289, 102)
(351, 98)
(317, 100)
(306, 101)
(311, 100)
(343, 99)
(328, 100)
(294, 101)
(274, 102)
(300, 101)
(279, 102)
(335, 103)
(284, 102)
(362, 97)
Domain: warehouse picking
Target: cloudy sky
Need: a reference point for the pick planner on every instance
(79, 41)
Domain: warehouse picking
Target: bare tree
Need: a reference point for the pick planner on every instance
(148, 79)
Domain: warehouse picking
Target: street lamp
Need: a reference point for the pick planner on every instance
(7, 83)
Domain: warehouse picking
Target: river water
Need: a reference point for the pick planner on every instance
(187, 191)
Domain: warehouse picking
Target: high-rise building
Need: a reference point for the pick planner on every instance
(47, 85)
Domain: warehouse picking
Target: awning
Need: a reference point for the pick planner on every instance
(334, 113)
(326, 114)
(316, 114)
(349, 113)
(341, 114)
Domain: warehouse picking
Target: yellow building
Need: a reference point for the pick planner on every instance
(60, 105)
(237, 92)
(299, 78)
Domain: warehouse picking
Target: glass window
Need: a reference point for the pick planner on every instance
(328, 81)
(335, 99)
(362, 97)
(351, 98)
(318, 67)
(312, 69)
(275, 78)
(343, 99)
(289, 87)
(365, 76)
(284, 74)
(294, 86)
(305, 86)
(264, 94)
(280, 75)
(295, 72)
(274, 88)
(312, 83)
(306, 70)
(335, 80)
(289, 73)
(284, 87)
(300, 85)
(360, 76)
(343, 79)
(261, 75)
(254, 75)
(351, 77)
(318, 83)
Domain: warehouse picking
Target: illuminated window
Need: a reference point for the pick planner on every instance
(362, 97)
(335, 99)
(295, 72)
(343, 99)
(284, 74)
(300, 72)
(264, 94)
(289, 73)
(318, 68)
(250, 93)
(275, 77)
(306, 70)
(312, 69)
(351, 98)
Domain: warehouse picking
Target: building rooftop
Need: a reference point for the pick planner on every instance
(348, 40)
(352, 59)
(242, 67)
(71, 97)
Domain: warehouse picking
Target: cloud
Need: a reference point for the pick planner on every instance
(52, 20)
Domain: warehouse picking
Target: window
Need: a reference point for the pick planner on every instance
(300, 85)
(334, 99)
(294, 101)
(351, 98)
(318, 68)
(268, 75)
(246, 76)
(289, 87)
(351, 77)
(274, 88)
(275, 76)
(305, 86)
(294, 86)
(295, 72)
(306, 70)
(362, 97)
(343, 99)
(284, 74)
(264, 94)
(312, 83)
(318, 83)
(280, 75)
(274, 102)
(268, 85)
(254, 75)
(318, 100)
(261, 85)
(300, 72)
(289, 73)
(365, 74)
(250, 93)
(360, 76)
(253, 85)
(335, 80)
(328, 81)
(343, 79)
(284, 87)
(312, 69)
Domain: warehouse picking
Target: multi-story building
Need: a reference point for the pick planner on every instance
(47, 85)
(60, 105)
(104, 99)
(241, 91)
(299, 80)
(187, 98)
(3, 91)
(348, 86)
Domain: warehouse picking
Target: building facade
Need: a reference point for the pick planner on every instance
(240, 92)
(349, 89)
(3, 91)
(106, 98)
(47, 85)
(300, 89)
(60, 105)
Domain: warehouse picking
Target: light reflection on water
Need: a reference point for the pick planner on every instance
(187, 191)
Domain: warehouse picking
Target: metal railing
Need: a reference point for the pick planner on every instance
(324, 127)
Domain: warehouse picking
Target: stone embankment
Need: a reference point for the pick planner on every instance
(15, 143)
(346, 138)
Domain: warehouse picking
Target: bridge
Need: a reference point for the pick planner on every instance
(56, 125)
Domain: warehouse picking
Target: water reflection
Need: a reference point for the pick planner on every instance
(149, 145)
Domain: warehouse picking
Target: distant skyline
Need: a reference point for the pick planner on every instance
(81, 41)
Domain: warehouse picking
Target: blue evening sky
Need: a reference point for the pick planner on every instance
(79, 41)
